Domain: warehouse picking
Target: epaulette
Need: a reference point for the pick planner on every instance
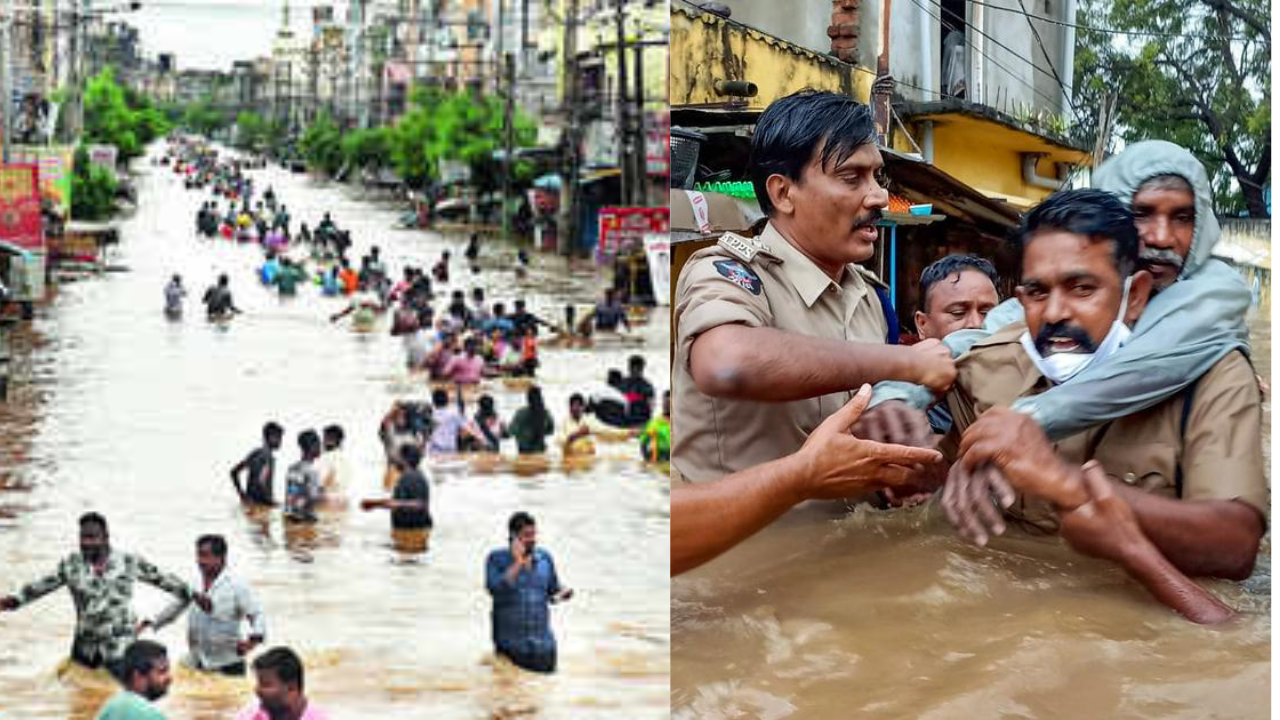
(869, 276)
(743, 248)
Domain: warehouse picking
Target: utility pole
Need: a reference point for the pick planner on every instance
(506, 117)
(621, 126)
(568, 230)
(640, 138)
(6, 82)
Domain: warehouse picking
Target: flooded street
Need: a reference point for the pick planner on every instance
(890, 615)
(117, 410)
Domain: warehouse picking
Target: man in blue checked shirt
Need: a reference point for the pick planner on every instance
(522, 580)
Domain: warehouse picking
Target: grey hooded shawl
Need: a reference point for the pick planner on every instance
(1183, 332)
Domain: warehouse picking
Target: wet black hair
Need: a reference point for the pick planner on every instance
(792, 129)
(1096, 214)
(577, 398)
(217, 544)
(141, 657)
(272, 428)
(439, 398)
(410, 455)
(309, 441)
(335, 432)
(951, 265)
(93, 518)
(284, 662)
(519, 521)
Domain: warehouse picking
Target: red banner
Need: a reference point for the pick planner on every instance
(20, 221)
(624, 229)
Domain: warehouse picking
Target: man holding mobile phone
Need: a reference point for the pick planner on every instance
(523, 582)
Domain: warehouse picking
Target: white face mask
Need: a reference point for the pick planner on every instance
(1061, 367)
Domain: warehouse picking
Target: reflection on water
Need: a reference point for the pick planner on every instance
(828, 614)
(124, 412)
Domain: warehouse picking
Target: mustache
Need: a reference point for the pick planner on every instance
(1062, 330)
(872, 217)
(1158, 255)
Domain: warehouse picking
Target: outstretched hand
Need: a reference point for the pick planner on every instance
(840, 465)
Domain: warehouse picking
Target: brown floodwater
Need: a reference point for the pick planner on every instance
(831, 614)
(119, 411)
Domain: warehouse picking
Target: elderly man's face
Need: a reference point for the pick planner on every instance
(834, 209)
(1071, 292)
(959, 301)
(1165, 215)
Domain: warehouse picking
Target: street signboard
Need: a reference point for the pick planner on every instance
(624, 229)
(20, 221)
(104, 156)
(55, 164)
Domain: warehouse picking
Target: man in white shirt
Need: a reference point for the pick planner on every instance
(214, 636)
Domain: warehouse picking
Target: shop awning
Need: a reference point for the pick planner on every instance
(919, 182)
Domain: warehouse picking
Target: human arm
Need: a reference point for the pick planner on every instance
(235, 478)
(1200, 537)
(251, 611)
(555, 591)
(832, 464)
(764, 364)
(35, 590)
(148, 573)
(1106, 527)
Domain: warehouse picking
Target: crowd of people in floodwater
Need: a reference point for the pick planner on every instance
(458, 346)
(462, 351)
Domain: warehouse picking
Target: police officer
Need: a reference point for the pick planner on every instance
(775, 333)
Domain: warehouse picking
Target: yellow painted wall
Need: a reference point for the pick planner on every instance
(705, 48)
(988, 156)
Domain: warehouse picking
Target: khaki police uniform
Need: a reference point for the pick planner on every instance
(758, 282)
(1220, 452)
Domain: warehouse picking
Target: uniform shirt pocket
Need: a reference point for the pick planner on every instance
(1151, 466)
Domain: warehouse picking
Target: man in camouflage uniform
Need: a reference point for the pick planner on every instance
(101, 584)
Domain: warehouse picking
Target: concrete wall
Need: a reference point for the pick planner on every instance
(915, 42)
(803, 22)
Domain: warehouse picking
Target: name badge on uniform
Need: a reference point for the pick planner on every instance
(738, 246)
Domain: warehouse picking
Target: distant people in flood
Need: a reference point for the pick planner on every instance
(261, 466)
(608, 401)
(579, 438)
(532, 424)
(638, 392)
(146, 678)
(174, 294)
(522, 580)
(302, 482)
(410, 502)
(440, 271)
(404, 425)
(215, 642)
(487, 429)
(608, 315)
(219, 305)
(655, 441)
(332, 465)
(101, 583)
(281, 690)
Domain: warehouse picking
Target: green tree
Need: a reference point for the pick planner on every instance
(1196, 73)
(454, 126)
(321, 145)
(366, 148)
(93, 189)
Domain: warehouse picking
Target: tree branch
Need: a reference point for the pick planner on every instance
(1253, 21)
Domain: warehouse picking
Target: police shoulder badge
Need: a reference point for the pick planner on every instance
(739, 274)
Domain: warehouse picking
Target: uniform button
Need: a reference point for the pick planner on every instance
(1130, 478)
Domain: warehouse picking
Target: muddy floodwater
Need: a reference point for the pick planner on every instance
(831, 614)
(117, 410)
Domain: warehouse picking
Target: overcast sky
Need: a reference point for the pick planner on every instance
(214, 33)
